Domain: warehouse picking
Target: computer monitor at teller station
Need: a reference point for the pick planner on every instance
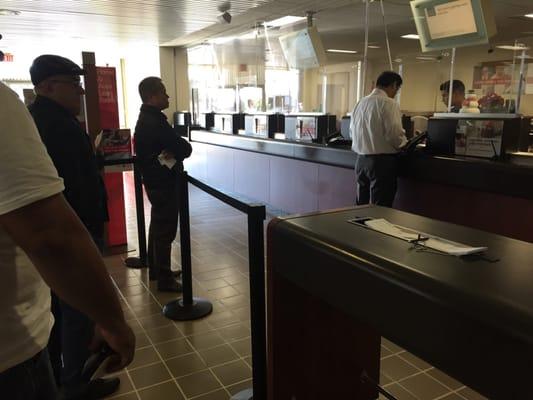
(441, 136)
(345, 128)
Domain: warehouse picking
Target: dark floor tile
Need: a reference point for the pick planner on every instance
(444, 379)
(396, 368)
(233, 372)
(150, 375)
(218, 355)
(174, 348)
(144, 357)
(163, 391)
(185, 365)
(198, 383)
(424, 387)
(164, 334)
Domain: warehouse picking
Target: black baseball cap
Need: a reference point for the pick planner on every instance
(49, 65)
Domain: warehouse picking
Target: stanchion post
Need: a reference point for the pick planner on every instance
(138, 262)
(187, 308)
(256, 256)
(185, 238)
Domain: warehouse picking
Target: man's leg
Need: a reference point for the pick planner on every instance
(32, 379)
(384, 183)
(164, 225)
(363, 182)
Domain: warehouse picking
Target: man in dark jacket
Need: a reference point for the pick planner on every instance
(58, 89)
(160, 154)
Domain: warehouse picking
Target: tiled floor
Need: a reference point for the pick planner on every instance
(209, 359)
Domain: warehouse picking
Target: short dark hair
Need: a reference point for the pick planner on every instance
(149, 87)
(457, 86)
(387, 78)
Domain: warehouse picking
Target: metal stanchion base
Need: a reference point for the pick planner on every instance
(247, 394)
(178, 311)
(134, 262)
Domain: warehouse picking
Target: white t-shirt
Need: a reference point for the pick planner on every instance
(376, 125)
(26, 176)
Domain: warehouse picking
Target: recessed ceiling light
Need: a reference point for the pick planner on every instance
(411, 36)
(287, 20)
(374, 47)
(5, 11)
(511, 47)
(341, 51)
(529, 15)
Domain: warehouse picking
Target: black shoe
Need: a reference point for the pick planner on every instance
(94, 390)
(169, 285)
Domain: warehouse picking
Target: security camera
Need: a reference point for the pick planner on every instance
(224, 18)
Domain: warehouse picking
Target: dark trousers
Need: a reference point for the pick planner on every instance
(71, 335)
(163, 228)
(30, 380)
(376, 179)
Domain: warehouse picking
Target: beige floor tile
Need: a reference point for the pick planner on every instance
(144, 357)
(452, 396)
(416, 361)
(189, 328)
(385, 352)
(239, 387)
(248, 361)
(218, 355)
(214, 284)
(206, 340)
(222, 293)
(146, 310)
(394, 348)
(164, 391)
(424, 387)
(154, 321)
(243, 347)
(185, 365)
(470, 394)
(164, 334)
(222, 319)
(174, 348)
(446, 380)
(399, 392)
(234, 332)
(198, 383)
(236, 279)
(141, 340)
(396, 368)
(150, 375)
(236, 301)
(233, 372)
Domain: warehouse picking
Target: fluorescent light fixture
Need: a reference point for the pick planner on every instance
(529, 15)
(413, 36)
(5, 11)
(249, 35)
(371, 46)
(511, 47)
(287, 20)
(341, 51)
(426, 58)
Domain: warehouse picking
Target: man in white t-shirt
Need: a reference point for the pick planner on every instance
(40, 238)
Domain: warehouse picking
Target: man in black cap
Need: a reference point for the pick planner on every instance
(160, 154)
(58, 102)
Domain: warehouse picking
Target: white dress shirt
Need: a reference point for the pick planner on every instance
(376, 125)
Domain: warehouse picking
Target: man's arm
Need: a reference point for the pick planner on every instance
(62, 251)
(392, 120)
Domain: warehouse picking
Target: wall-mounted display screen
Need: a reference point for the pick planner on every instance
(303, 49)
(445, 24)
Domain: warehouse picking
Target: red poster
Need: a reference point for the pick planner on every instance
(107, 97)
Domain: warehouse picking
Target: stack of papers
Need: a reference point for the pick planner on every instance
(167, 162)
(432, 242)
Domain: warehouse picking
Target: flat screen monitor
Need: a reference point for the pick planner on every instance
(345, 128)
(303, 49)
(441, 136)
(445, 24)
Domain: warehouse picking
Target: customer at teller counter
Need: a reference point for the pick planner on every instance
(160, 154)
(458, 94)
(44, 245)
(377, 135)
(58, 102)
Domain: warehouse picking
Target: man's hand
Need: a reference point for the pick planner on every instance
(122, 341)
(167, 155)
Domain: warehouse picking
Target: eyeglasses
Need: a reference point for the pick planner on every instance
(74, 83)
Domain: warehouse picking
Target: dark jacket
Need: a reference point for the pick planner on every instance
(153, 134)
(71, 151)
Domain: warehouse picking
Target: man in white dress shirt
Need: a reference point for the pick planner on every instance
(377, 135)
